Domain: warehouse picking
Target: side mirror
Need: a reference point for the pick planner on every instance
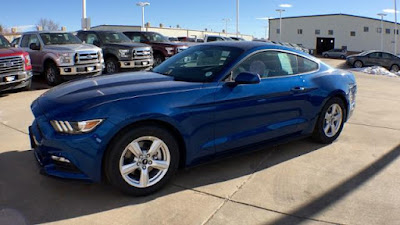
(247, 78)
(34, 46)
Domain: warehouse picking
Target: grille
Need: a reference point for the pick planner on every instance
(11, 64)
(86, 57)
(141, 53)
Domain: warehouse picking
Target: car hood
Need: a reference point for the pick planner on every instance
(72, 47)
(170, 44)
(10, 51)
(82, 95)
(126, 45)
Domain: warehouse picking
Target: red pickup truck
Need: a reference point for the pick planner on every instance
(15, 67)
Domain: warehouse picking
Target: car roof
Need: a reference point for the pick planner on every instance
(247, 45)
(46, 32)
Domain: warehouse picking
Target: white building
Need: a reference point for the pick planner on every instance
(324, 32)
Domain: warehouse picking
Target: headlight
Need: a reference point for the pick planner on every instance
(170, 50)
(124, 52)
(75, 127)
(66, 57)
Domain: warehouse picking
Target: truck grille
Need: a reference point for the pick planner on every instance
(86, 57)
(141, 53)
(11, 64)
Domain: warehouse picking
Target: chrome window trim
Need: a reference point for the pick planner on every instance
(224, 79)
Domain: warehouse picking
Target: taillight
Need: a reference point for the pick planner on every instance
(27, 59)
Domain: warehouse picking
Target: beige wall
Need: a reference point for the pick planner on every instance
(342, 25)
(171, 32)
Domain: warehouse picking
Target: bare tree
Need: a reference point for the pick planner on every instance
(48, 24)
(1, 28)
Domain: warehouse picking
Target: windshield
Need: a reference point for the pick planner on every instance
(113, 37)
(199, 63)
(155, 37)
(4, 43)
(59, 39)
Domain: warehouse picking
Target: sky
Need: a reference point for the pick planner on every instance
(198, 14)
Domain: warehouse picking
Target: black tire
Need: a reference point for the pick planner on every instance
(52, 74)
(117, 148)
(326, 55)
(343, 57)
(358, 64)
(158, 59)
(395, 68)
(112, 65)
(319, 134)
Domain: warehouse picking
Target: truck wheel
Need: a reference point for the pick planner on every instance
(158, 59)
(52, 74)
(112, 65)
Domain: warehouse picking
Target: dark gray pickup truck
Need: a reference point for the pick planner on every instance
(119, 51)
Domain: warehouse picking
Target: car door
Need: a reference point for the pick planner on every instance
(373, 59)
(251, 113)
(35, 55)
(387, 60)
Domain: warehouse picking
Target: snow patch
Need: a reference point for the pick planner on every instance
(377, 70)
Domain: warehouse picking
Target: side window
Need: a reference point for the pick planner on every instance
(375, 55)
(25, 41)
(91, 38)
(274, 64)
(386, 56)
(136, 37)
(306, 65)
(209, 39)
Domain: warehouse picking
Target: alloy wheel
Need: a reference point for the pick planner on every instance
(358, 64)
(110, 67)
(333, 120)
(144, 162)
(50, 75)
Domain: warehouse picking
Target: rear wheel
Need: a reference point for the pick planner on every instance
(342, 56)
(52, 74)
(112, 65)
(326, 55)
(358, 64)
(330, 122)
(142, 160)
(158, 59)
(395, 68)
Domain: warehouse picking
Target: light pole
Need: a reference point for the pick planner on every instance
(226, 20)
(280, 23)
(83, 21)
(382, 15)
(237, 18)
(143, 4)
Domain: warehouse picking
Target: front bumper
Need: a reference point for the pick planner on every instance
(68, 156)
(20, 80)
(82, 69)
(142, 63)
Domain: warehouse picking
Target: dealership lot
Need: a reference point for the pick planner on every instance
(352, 181)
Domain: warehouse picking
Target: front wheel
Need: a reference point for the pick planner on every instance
(112, 65)
(330, 122)
(142, 160)
(52, 74)
(358, 64)
(395, 68)
(158, 59)
(326, 55)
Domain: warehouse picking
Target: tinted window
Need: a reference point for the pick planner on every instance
(387, 56)
(113, 37)
(375, 55)
(92, 38)
(136, 37)
(4, 43)
(275, 64)
(59, 39)
(199, 63)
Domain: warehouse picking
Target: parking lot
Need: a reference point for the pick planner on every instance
(352, 181)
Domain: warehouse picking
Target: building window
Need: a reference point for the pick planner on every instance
(317, 31)
(379, 30)
(330, 32)
(353, 33)
(394, 31)
(366, 29)
(299, 31)
(278, 31)
(387, 31)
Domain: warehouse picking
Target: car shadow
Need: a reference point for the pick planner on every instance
(46, 199)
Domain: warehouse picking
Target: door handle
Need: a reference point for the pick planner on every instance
(298, 89)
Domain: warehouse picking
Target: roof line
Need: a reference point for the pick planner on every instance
(333, 14)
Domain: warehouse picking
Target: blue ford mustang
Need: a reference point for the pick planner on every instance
(136, 129)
